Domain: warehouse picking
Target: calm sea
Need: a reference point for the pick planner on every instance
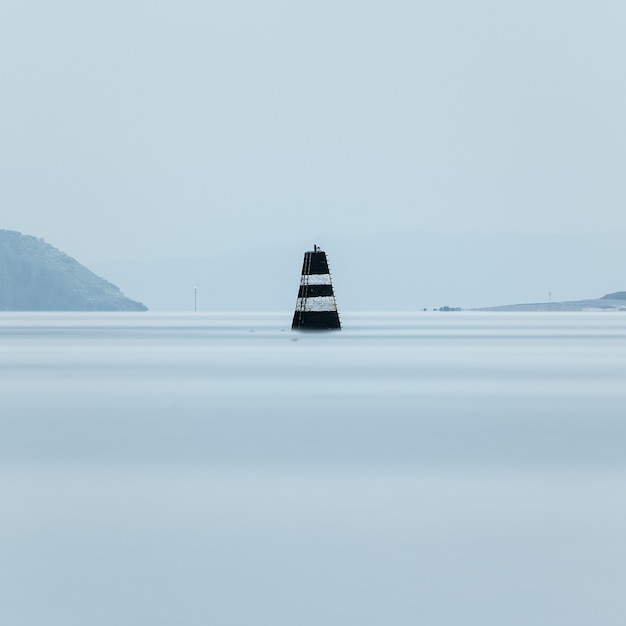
(432, 468)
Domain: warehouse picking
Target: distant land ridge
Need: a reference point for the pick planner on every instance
(35, 276)
(611, 302)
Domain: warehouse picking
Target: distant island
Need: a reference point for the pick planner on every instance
(35, 276)
(611, 302)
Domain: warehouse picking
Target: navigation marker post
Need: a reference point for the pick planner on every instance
(316, 307)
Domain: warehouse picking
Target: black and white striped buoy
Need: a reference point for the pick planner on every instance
(316, 308)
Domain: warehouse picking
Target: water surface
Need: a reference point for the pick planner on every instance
(438, 468)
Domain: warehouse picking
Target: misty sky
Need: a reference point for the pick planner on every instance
(136, 130)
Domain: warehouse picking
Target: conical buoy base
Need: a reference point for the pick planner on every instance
(316, 307)
(315, 320)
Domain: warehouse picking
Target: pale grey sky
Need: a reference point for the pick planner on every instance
(137, 130)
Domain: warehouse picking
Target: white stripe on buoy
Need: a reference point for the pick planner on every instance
(323, 303)
(315, 279)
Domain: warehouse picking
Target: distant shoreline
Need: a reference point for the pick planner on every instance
(611, 302)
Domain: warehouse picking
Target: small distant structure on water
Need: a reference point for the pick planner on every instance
(316, 307)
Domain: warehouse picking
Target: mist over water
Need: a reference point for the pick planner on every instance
(442, 468)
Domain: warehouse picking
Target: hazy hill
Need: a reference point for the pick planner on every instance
(611, 302)
(34, 276)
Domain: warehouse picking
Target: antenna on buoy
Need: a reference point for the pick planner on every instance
(316, 307)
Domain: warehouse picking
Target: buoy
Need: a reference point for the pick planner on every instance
(316, 307)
